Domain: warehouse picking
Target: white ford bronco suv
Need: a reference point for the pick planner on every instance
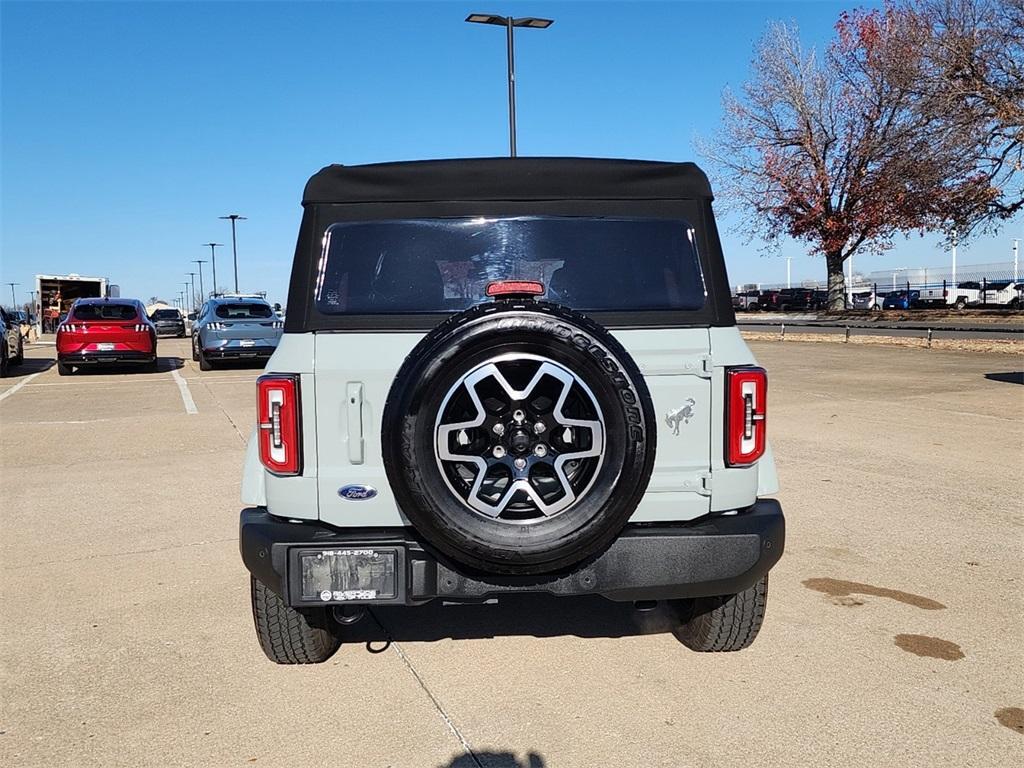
(508, 375)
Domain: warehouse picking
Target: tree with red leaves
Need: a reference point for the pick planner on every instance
(847, 149)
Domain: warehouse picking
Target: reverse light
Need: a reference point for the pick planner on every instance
(745, 416)
(277, 414)
(514, 288)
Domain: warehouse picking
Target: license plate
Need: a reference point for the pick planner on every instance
(106, 347)
(348, 575)
(247, 343)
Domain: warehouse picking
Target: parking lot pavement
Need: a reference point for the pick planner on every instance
(893, 635)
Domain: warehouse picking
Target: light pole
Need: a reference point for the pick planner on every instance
(14, 301)
(188, 304)
(1016, 248)
(510, 23)
(789, 260)
(213, 262)
(202, 293)
(234, 245)
(192, 295)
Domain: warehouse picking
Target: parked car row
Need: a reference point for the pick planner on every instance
(1007, 293)
(781, 300)
(105, 331)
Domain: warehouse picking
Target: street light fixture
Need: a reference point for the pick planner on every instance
(234, 245)
(213, 262)
(202, 293)
(510, 23)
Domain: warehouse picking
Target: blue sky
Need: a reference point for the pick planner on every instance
(128, 128)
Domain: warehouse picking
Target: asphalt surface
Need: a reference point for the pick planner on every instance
(893, 635)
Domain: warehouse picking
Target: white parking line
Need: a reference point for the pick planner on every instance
(186, 393)
(19, 385)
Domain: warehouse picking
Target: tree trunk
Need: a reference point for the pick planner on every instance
(836, 282)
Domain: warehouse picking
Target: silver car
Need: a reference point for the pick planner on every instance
(235, 328)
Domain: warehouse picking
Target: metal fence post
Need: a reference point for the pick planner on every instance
(984, 291)
(929, 338)
(783, 332)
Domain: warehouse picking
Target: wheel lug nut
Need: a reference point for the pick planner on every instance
(498, 452)
(519, 417)
(540, 450)
(498, 429)
(539, 427)
(520, 463)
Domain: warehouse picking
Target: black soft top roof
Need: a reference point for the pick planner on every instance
(507, 178)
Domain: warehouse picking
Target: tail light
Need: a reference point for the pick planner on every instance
(278, 414)
(140, 327)
(514, 288)
(215, 326)
(746, 409)
(279, 324)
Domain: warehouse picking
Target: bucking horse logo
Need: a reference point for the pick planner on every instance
(680, 415)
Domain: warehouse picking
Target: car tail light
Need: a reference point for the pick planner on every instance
(279, 324)
(514, 288)
(216, 326)
(278, 413)
(140, 327)
(746, 409)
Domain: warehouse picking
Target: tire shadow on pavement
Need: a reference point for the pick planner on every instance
(537, 615)
(496, 760)
(29, 366)
(1009, 377)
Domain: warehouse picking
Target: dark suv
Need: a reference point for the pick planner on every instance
(508, 376)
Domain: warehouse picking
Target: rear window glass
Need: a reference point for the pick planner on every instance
(444, 265)
(105, 312)
(243, 311)
(166, 314)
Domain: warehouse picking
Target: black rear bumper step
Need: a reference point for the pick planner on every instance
(94, 358)
(719, 555)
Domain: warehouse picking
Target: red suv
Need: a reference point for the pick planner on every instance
(99, 331)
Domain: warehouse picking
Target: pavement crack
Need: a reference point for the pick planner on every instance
(224, 411)
(64, 561)
(426, 689)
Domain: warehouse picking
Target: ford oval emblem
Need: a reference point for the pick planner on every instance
(357, 492)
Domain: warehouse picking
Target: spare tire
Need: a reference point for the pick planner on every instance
(518, 437)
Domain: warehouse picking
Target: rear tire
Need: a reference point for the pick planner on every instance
(63, 369)
(204, 362)
(288, 635)
(4, 363)
(960, 304)
(726, 623)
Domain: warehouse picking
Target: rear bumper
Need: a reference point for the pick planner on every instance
(114, 356)
(170, 330)
(238, 348)
(719, 555)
